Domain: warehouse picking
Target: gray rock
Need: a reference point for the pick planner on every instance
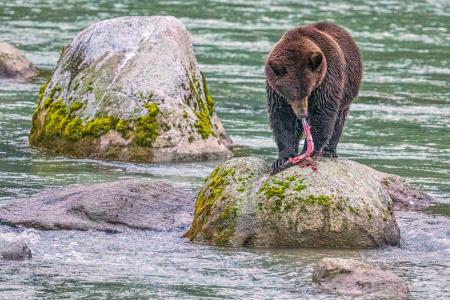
(129, 89)
(343, 204)
(14, 64)
(355, 278)
(405, 196)
(110, 207)
(16, 251)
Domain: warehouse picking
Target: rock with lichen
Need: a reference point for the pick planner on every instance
(343, 204)
(129, 89)
(358, 279)
(14, 64)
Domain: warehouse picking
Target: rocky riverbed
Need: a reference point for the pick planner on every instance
(330, 205)
(395, 126)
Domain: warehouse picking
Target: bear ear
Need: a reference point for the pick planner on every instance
(315, 60)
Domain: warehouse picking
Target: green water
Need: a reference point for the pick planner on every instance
(400, 124)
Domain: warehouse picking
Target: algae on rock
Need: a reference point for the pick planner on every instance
(219, 202)
(56, 125)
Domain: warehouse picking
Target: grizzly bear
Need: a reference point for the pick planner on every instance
(313, 72)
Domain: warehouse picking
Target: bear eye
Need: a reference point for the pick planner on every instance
(279, 70)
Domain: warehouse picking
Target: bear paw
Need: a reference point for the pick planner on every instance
(329, 153)
(280, 164)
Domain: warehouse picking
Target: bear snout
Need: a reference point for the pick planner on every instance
(300, 107)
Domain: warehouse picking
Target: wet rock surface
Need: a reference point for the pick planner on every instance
(14, 64)
(404, 195)
(17, 250)
(111, 207)
(355, 278)
(129, 89)
(343, 204)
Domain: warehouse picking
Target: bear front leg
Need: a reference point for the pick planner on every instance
(331, 149)
(322, 128)
(284, 127)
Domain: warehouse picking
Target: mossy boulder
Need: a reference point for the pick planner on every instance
(14, 64)
(129, 89)
(342, 204)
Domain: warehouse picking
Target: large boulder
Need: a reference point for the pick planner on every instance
(111, 207)
(354, 278)
(129, 89)
(17, 250)
(342, 204)
(14, 64)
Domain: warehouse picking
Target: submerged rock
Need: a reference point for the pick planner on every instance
(343, 204)
(16, 251)
(14, 64)
(355, 278)
(111, 207)
(129, 89)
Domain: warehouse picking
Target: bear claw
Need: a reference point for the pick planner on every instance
(280, 165)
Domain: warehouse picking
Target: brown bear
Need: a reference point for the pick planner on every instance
(313, 72)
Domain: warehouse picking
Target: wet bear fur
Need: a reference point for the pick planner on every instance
(313, 71)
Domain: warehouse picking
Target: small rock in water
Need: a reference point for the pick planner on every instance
(354, 278)
(14, 64)
(16, 251)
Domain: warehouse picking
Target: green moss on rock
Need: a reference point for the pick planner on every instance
(275, 188)
(76, 106)
(42, 91)
(274, 192)
(321, 200)
(56, 118)
(99, 126)
(147, 128)
(213, 196)
(73, 130)
(60, 122)
(203, 125)
(300, 186)
(123, 127)
(204, 108)
(353, 210)
(47, 102)
(55, 125)
(227, 225)
(54, 90)
(209, 99)
(270, 190)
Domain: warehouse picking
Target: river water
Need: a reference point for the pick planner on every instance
(400, 124)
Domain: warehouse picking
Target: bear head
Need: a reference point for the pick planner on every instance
(295, 67)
